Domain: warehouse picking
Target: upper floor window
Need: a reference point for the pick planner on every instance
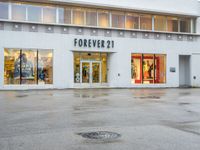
(34, 13)
(78, 16)
(172, 24)
(4, 10)
(118, 20)
(146, 22)
(185, 25)
(19, 12)
(132, 21)
(91, 17)
(103, 18)
(49, 14)
(64, 15)
(160, 23)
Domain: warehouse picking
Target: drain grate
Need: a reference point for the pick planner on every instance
(100, 135)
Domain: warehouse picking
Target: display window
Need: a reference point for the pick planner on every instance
(148, 68)
(28, 66)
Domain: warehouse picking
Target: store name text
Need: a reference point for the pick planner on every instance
(93, 43)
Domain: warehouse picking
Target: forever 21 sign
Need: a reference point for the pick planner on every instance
(93, 43)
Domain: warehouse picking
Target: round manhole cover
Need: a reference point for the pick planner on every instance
(100, 135)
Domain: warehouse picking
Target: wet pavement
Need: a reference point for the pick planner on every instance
(102, 119)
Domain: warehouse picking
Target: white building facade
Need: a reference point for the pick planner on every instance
(106, 43)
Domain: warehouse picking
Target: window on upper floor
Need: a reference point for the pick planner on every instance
(4, 10)
(64, 15)
(160, 23)
(34, 13)
(172, 24)
(49, 14)
(118, 20)
(185, 25)
(103, 18)
(91, 17)
(19, 11)
(146, 22)
(132, 21)
(78, 16)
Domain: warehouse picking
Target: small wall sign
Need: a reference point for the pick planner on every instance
(172, 69)
(94, 43)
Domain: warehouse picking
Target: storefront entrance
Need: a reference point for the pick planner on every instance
(90, 72)
(90, 69)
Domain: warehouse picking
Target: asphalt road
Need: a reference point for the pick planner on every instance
(145, 119)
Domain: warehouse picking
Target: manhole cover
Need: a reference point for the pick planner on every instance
(100, 135)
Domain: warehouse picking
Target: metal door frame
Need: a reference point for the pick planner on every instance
(90, 71)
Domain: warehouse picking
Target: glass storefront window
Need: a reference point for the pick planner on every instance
(160, 68)
(118, 20)
(19, 12)
(34, 13)
(49, 14)
(12, 66)
(45, 67)
(103, 18)
(78, 16)
(146, 22)
(160, 23)
(185, 25)
(172, 24)
(3, 10)
(64, 15)
(148, 68)
(91, 17)
(132, 21)
(104, 67)
(28, 66)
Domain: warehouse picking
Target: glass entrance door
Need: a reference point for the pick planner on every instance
(85, 72)
(90, 72)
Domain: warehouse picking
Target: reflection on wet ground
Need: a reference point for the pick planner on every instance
(134, 113)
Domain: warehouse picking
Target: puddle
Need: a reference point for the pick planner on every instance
(21, 96)
(100, 135)
(184, 103)
(148, 97)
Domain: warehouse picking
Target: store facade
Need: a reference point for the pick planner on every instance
(90, 45)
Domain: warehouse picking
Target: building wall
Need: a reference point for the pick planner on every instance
(119, 62)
